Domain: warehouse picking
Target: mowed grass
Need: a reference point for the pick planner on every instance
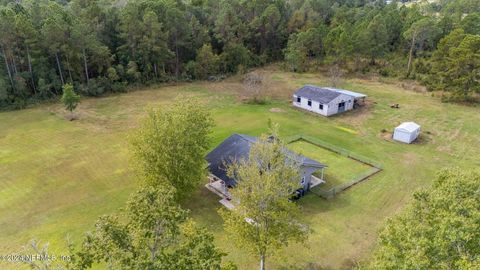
(340, 169)
(57, 177)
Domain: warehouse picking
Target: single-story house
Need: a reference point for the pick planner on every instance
(326, 101)
(406, 132)
(237, 147)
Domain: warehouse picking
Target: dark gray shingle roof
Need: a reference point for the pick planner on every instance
(236, 148)
(316, 93)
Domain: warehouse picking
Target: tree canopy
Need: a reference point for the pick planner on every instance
(264, 219)
(69, 98)
(153, 233)
(438, 230)
(168, 148)
(456, 64)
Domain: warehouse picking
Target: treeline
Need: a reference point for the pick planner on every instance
(106, 45)
(437, 44)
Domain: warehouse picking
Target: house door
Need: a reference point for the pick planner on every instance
(341, 107)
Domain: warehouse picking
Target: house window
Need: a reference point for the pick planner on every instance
(310, 102)
(320, 106)
(299, 99)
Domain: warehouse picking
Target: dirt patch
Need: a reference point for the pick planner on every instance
(424, 138)
(386, 135)
(277, 110)
(59, 111)
(358, 116)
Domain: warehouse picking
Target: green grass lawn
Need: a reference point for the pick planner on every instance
(57, 177)
(340, 169)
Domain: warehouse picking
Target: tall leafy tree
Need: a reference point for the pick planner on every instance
(154, 233)
(419, 34)
(235, 58)
(471, 24)
(131, 29)
(170, 144)
(154, 47)
(373, 39)
(177, 26)
(438, 230)
(264, 219)
(229, 25)
(305, 46)
(339, 43)
(7, 19)
(55, 32)
(296, 54)
(3, 91)
(305, 17)
(456, 65)
(27, 37)
(268, 24)
(89, 49)
(207, 62)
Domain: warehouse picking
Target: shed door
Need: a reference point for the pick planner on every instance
(341, 106)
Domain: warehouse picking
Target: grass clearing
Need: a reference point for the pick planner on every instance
(57, 176)
(340, 169)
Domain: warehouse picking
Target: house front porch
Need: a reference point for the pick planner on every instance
(218, 187)
(315, 181)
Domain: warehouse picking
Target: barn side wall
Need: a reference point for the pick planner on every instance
(328, 109)
(314, 108)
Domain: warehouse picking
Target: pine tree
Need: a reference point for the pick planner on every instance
(70, 99)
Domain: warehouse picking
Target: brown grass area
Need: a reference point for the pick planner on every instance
(412, 86)
(387, 136)
(277, 110)
(358, 116)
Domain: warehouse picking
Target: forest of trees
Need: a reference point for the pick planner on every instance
(102, 46)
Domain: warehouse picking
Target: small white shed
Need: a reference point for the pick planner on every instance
(406, 132)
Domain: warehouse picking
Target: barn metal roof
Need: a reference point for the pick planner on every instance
(236, 148)
(408, 126)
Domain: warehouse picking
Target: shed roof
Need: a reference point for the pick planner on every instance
(237, 147)
(316, 93)
(408, 126)
(325, 94)
(348, 92)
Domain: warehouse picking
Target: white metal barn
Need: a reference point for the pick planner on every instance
(406, 132)
(326, 101)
